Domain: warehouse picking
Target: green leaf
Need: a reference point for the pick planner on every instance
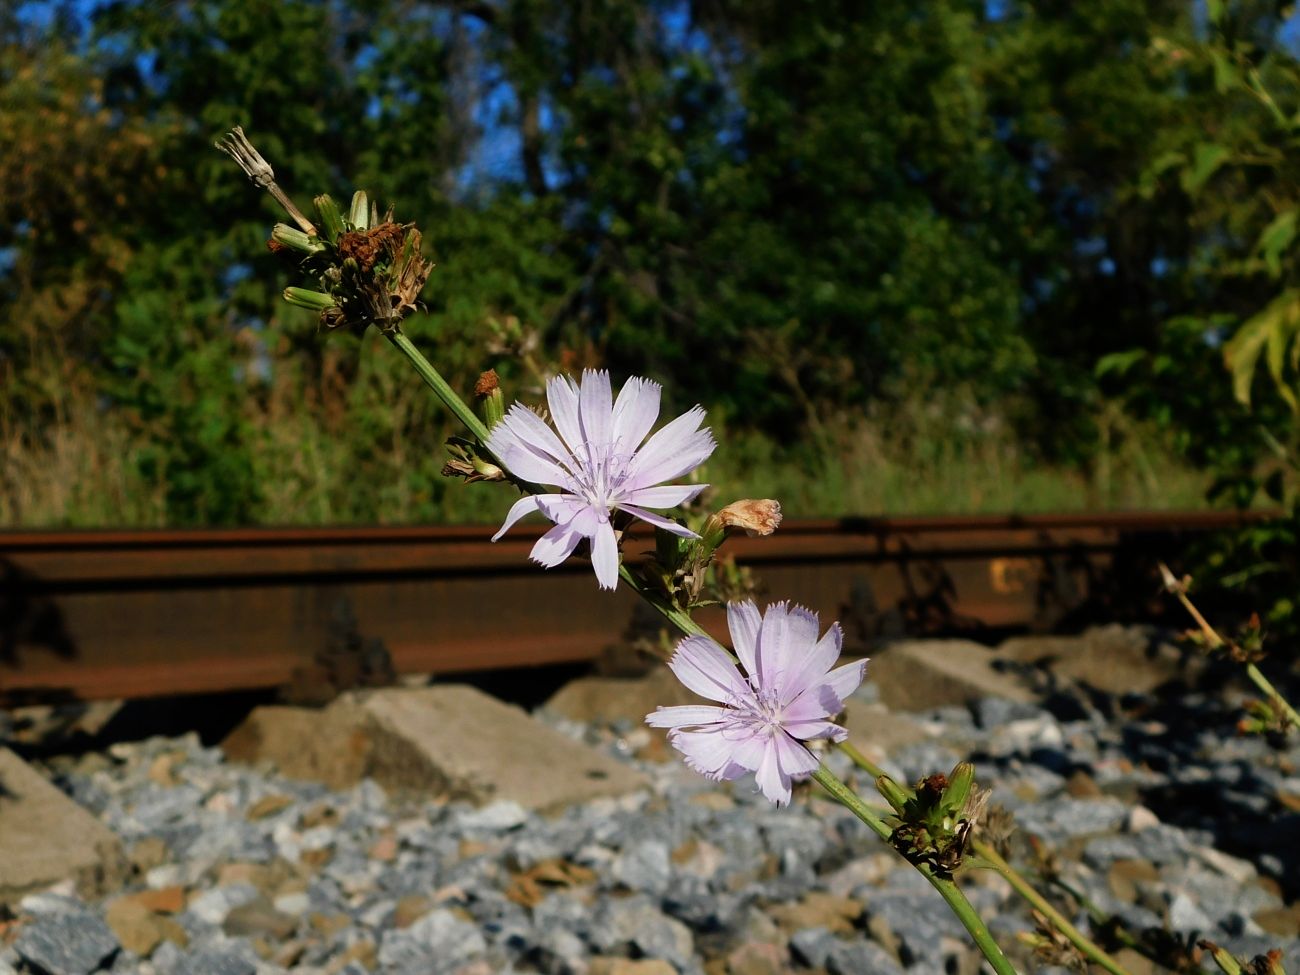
(1275, 239)
(1226, 76)
(1206, 160)
(1118, 362)
(1158, 167)
(1271, 329)
(1278, 340)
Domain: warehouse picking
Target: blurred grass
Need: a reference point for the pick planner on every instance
(83, 470)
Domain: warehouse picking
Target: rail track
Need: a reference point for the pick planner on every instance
(86, 615)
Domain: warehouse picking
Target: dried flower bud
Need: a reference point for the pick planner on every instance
(756, 517)
(492, 404)
(487, 382)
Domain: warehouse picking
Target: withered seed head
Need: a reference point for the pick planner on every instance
(487, 382)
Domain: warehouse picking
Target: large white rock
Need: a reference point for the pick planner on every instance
(914, 675)
(450, 740)
(46, 838)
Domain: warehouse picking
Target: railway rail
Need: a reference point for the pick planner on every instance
(107, 614)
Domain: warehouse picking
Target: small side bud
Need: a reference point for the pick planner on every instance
(1222, 958)
(294, 239)
(316, 301)
(894, 793)
(754, 517)
(492, 403)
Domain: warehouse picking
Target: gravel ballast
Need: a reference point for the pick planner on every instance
(1158, 815)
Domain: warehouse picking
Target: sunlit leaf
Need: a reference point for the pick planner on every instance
(1275, 239)
(1119, 362)
(1206, 160)
(1271, 330)
(1226, 76)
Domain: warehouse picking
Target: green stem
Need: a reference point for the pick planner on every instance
(682, 620)
(1036, 900)
(1212, 636)
(677, 617)
(1265, 685)
(1015, 878)
(948, 890)
(439, 385)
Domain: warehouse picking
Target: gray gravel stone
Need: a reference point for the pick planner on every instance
(1064, 818)
(68, 942)
(638, 925)
(812, 946)
(1187, 918)
(217, 960)
(645, 867)
(861, 957)
(920, 922)
(560, 952)
(438, 942)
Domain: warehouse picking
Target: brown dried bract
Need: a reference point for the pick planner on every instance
(367, 247)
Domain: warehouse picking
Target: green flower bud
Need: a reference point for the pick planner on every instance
(313, 300)
(959, 783)
(359, 215)
(894, 794)
(295, 239)
(1225, 961)
(330, 216)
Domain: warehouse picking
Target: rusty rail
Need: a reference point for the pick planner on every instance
(87, 615)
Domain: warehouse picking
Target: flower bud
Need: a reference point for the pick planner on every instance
(894, 793)
(295, 239)
(959, 784)
(359, 215)
(1225, 961)
(330, 216)
(313, 300)
(755, 517)
(487, 471)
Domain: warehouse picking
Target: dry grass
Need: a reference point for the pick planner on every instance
(82, 471)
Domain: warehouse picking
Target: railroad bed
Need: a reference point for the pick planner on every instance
(93, 615)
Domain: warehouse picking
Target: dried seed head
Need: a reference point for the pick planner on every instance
(487, 382)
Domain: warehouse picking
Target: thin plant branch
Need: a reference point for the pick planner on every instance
(1179, 589)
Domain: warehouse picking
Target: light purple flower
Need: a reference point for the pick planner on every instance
(788, 697)
(599, 464)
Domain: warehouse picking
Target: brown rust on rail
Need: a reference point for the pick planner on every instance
(106, 614)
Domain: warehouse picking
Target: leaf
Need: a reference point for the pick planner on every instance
(1272, 328)
(1118, 362)
(1275, 239)
(1278, 340)
(1206, 160)
(1158, 167)
(1214, 9)
(1226, 76)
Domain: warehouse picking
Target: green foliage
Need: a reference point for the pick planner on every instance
(814, 220)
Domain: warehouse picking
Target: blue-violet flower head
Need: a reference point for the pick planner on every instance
(788, 695)
(596, 459)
